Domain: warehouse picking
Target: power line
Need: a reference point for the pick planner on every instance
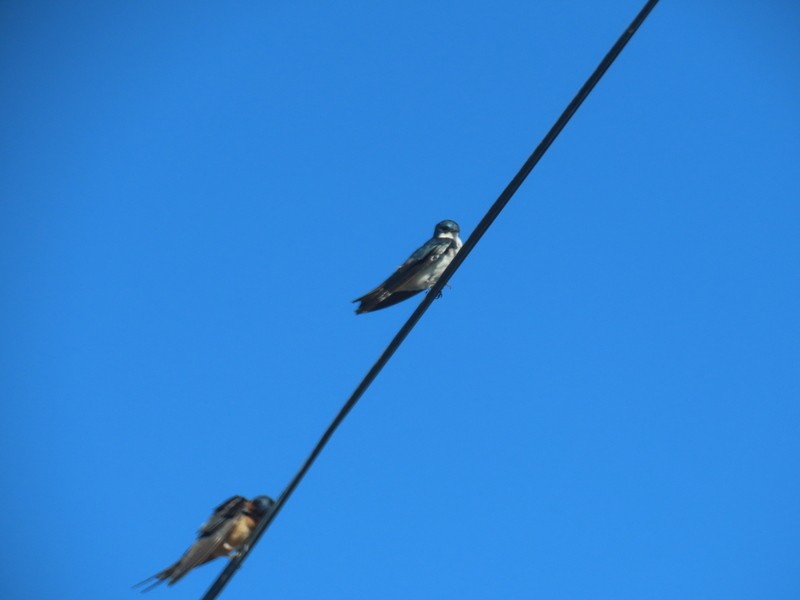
(473, 239)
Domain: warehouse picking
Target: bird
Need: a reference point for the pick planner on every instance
(420, 272)
(223, 534)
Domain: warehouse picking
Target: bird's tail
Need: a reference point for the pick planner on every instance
(157, 579)
(379, 299)
(369, 301)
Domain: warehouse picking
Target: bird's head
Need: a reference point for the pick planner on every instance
(447, 229)
(261, 506)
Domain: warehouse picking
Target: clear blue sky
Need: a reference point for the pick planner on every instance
(605, 405)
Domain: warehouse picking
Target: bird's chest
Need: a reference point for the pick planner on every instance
(240, 531)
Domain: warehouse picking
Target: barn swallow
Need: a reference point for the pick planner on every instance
(420, 272)
(223, 534)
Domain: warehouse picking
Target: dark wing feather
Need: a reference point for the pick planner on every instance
(408, 269)
(405, 272)
(202, 550)
(227, 510)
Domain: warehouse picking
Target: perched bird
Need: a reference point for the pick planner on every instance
(222, 535)
(420, 272)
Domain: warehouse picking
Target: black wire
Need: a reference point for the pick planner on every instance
(473, 239)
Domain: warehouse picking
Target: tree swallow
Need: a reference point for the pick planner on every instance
(420, 272)
(222, 535)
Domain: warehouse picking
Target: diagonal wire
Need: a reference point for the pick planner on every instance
(473, 239)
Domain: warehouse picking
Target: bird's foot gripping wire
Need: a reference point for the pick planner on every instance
(440, 294)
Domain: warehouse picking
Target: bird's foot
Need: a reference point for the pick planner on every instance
(440, 294)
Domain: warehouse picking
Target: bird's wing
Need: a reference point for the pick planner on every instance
(212, 535)
(227, 510)
(203, 550)
(430, 250)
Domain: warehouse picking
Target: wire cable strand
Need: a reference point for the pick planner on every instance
(217, 587)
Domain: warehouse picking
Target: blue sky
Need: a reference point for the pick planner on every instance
(604, 405)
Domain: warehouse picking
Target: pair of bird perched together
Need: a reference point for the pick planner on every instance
(227, 530)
